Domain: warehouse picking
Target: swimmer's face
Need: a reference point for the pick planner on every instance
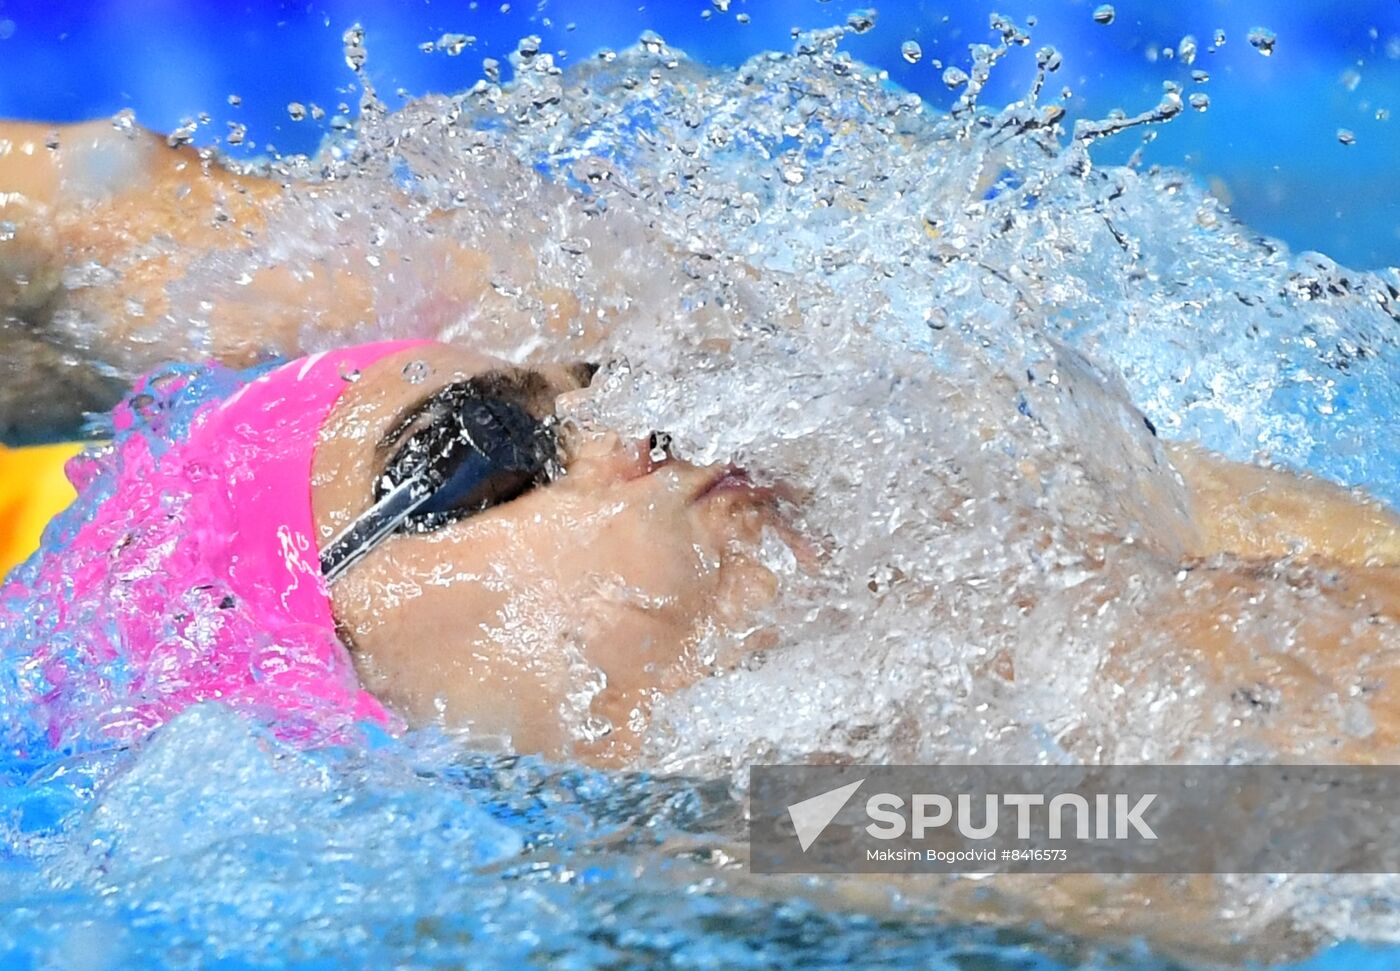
(552, 619)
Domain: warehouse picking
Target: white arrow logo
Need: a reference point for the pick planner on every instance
(811, 816)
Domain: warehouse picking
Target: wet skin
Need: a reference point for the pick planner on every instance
(548, 622)
(599, 588)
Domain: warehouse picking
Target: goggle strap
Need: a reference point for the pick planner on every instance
(372, 526)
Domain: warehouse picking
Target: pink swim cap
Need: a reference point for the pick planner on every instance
(197, 577)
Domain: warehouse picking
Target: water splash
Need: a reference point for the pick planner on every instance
(956, 334)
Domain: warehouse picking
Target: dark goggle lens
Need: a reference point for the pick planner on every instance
(474, 454)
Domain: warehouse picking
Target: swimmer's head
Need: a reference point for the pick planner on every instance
(552, 616)
(543, 611)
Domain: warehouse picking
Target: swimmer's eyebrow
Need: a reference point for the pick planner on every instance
(525, 387)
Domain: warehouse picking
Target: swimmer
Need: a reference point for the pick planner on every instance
(487, 621)
(539, 597)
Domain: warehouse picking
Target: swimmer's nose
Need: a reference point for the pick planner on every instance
(646, 455)
(609, 458)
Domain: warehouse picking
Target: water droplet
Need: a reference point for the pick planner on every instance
(1200, 101)
(861, 20)
(7, 231)
(1048, 59)
(1104, 13)
(954, 77)
(721, 5)
(415, 372)
(296, 110)
(7, 29)
(236, 133)
(742, 18)
(235, 100)
(911, 50)
(125, 121)
(528, 46)
(492, 69)
(453, 44)
(1382, 114)
(1350, 78)
(792, 175)
(1199, 76)
(1219, 39)
(351, 375)
(651, 42)
(354, 47)
(1186, 50)
(1262, 39)
(1346, 136)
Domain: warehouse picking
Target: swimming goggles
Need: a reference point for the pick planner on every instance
(473, 452)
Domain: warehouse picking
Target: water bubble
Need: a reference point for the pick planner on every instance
(1186, 50)
(415, 372)
(1104, 13)
(341, 123)
(1262, 39)
(296, 110)
(1200, 101)
(1346, 136)
(1219, 38)
(1382, 114)
(236, 133)
(861, 20)
(742, 18)
(911, 50)
(1048, 59)
(235, 100)
(1199, 76)
(954, 77)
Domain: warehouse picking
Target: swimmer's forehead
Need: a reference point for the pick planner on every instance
(392, 391)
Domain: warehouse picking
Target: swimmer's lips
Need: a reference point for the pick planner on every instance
(733, 480)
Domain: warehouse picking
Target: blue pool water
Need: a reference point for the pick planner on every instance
(214, 845)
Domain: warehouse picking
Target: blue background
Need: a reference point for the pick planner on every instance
(1268, 142)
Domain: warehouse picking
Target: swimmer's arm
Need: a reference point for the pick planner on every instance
(1259, 513)
(134, 214)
